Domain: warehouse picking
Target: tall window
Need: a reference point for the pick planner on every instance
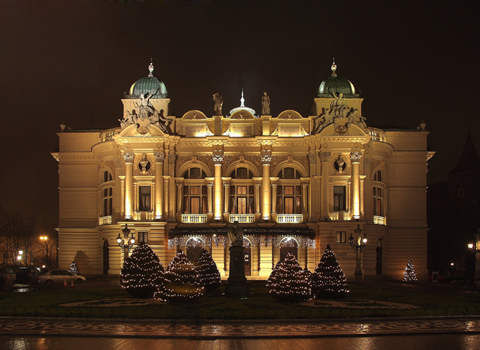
(194, 192)
(289, 192)
(195, 199)
(242, 192)
(145, 198)
(378, 195)
(107, 194)
(339, 198)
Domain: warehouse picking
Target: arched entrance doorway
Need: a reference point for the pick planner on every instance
(195, 248)
(106, 257)
(288, 245)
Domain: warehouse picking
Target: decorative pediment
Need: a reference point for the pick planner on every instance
(242, 115)
(194, 115)
(132, 131)
(195, 124)
(342, 130)
(289, 115)
(290, 123)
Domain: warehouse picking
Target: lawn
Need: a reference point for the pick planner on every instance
(114, 302)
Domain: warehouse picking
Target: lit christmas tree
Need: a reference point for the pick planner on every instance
(141, 273)
(328, 279)
(181, 281)
(409, 275)
(73, 268)
(288, 281)
(208, 273)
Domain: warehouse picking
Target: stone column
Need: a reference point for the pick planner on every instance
(257, 197)
(166, 180)
(304, 198)
(210, 197)
(355, 157)
(129, 156)
(325, 159)
(274, 194)
(179, 197)
(266, 158)
(312, 198)
(227, 196)
(159, 158)
(218, 158)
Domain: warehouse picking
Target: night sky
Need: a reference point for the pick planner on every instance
(72, 61)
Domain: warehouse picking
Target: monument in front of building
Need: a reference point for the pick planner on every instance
(237, 282)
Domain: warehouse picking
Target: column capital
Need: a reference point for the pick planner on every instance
(159, 156)
(324, 156)
(355, 156)
(128, 156)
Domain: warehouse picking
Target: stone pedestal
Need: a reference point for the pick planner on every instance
(237, 283)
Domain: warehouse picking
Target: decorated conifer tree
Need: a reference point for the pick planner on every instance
(409, 274)
(141, 273)
(288, 281)
(181, 281)
(208, 273)
(73, 268)
(328, 279)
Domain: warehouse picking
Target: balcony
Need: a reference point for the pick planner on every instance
(144, 216)
(194, 218)
(242, 218)
(104, 220)
(379, 220)
(289, 218)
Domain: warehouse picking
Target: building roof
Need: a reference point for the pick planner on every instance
(335, 85)
(469, 160)
(148, 85)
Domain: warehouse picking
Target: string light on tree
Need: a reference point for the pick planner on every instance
(328, 279)
(409, 274)
(181, 281)
(208, 273)
(288, 281)
(142, 272)
(73, 268)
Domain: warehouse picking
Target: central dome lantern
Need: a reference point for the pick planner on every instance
(335, 85)
(148, 85)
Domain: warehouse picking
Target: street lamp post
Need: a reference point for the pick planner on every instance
(357, 244)
(476, 247)
(44, 239)
(126, 242)
(19, 257)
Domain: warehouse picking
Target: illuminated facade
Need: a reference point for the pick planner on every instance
(294, 183)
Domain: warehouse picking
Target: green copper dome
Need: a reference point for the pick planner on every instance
(148, 85)
(336, 85)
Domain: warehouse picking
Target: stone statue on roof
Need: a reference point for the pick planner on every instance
(218, 103)
(265, 104)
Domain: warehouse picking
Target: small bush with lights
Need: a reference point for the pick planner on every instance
(288, 281)
(141, 273)
(181, 281)
(409, 274)
(208, 273)
(328, 279)
(73, 268)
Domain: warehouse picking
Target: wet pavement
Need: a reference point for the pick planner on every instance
(236, 330)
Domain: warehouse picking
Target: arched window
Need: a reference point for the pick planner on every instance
(378, 195)
(288, 245)
(289, 192)
(194, 192)
(107, 194)
(195, 248)
(242, 191)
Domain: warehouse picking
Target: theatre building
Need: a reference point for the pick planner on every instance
(295, 183)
